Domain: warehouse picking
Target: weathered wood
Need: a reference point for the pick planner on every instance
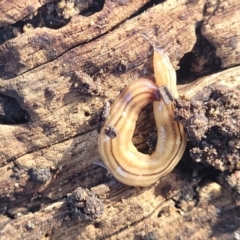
(13, 11)
(223, 35)
(61, 78)
(63, 105)
(42, 45)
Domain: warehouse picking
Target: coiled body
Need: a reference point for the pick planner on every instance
(121, 157)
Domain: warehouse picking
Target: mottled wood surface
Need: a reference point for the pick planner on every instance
(61, 78)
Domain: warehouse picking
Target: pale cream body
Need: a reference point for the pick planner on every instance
(121, 157)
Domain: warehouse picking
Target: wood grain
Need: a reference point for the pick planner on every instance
(62, 78)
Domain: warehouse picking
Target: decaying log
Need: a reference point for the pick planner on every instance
(53, 85)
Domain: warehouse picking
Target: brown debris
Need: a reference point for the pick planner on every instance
(85, 84)
(211, 120)
(40, 175)
(84, 204)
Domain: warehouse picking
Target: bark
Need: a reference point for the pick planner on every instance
(53, 85)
